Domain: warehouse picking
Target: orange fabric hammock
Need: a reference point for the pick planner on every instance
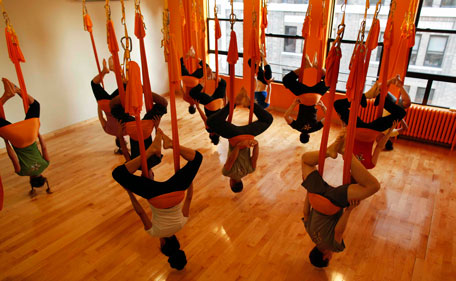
(140, 33)
(322, 204)
(332, 73)
(174, 81)
(232, 58)
(264, 25)
(133, 106)
(305, 35)
(218, 35)
(88, 26)
(21, 134)
(255, 60)
(16, 56)
(114, 49)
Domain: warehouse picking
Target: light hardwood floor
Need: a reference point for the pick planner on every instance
(87, 229)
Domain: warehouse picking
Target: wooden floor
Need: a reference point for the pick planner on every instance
(87, 229)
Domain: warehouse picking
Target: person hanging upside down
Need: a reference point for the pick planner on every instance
(110, 124)
(327, 231)
(154, 116)
(170, 211)
(240, 161)
(212, 104)
(23, 150)
(404, 101)
(365, 139)
(198, 73)
(263, 81)
(306, 121)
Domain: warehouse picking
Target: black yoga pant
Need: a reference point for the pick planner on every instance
(218, 124)
(203, 98)
(32, 112)
(290, 81)
(101, 94)
(148, 188)
(381, 124)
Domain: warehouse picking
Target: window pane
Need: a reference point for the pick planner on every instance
(416, 89)
(224, 41)
(448, 3)
(427, 3)
(224, 9)
(434, 17)
(415, 49)
(279, 60)
(354, 16)
(290, 44)
(224, 66)
(444, 94)
(435, 51)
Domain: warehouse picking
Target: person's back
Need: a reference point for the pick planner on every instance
(321, 228)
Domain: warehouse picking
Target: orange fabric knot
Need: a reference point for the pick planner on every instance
(372, 38)
(14, 50)
(133, 99)
(306, 27)
(22, 133)
(112, 39)
(218, 31)
(88, 22)
(233, 55)
(388, 35)
(322, 204)
(332, 65)
(140, 31)
(167, 200)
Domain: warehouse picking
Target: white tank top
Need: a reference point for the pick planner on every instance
(166, 222)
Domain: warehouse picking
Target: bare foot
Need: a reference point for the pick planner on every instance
(157, 143)
(335, 147)
(9, 90)
(167, 142)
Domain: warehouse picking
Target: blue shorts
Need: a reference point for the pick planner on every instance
(260, 98)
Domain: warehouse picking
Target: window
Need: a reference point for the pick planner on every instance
(290, 44)
(448, 3)
(427, 3)
(435, 51)
(295, 1)
(420, 95)
(415, 48)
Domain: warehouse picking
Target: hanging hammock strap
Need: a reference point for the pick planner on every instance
(88, 26)
(232, 58)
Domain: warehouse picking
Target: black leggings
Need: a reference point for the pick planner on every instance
(101, 94)
(203, 98)
(148, 188)
(218, 124)
(32, 112)
(381, 124)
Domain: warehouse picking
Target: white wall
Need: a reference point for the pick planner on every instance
(59, 57)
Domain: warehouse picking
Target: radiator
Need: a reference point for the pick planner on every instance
(425, 123)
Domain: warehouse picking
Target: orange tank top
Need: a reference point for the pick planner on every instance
(235, 140)
(214, 105)
(167, 200)
(147, 127)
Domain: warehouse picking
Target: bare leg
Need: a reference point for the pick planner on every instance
(187, 153)
(9, 91)
(366, 184)
(310, 159)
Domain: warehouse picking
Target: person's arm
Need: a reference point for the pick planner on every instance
(232, 156)
(43, 148)
(159, 99)
(12, 155)
(188, 201)
(101, 118)
(140, 211)
(287, 114)
(404, 126)
(255, 153)
(342, 225)
(322, 106)
(306, 210)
